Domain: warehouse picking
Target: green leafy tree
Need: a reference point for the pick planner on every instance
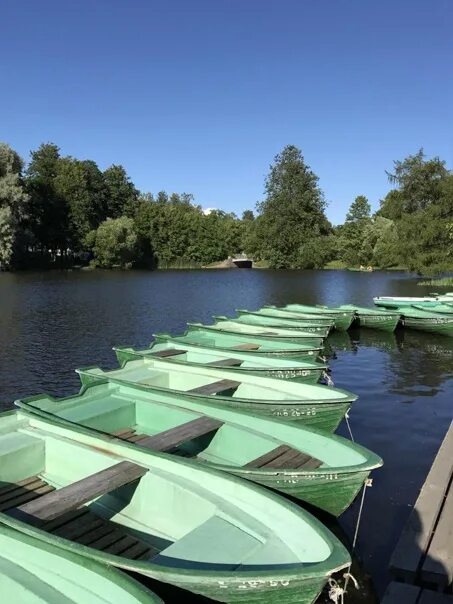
(81, 185)
(419, 180)
(121, 194)
(48, 217)
(292, 212)
(13, 203)
(114, 243)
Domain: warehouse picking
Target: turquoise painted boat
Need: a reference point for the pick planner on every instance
(246, 318)
(342, 318)
(401, 301)
(178, 522)
(276, 334)
(241, 363)
(324, 470)
(298, 320)
(320, 406)
(33, 572)
(427, 321)
(374, 318)
(226, 342)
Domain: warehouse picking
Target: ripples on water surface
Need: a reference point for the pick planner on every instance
(52, 322)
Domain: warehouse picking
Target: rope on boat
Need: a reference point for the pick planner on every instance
(368, 483)
(336, 593)
(329, 380)
(346, 416)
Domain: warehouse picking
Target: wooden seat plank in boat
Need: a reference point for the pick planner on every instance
(82, 525)
(169, 352)
(285, 457)
(174, 437)
(215, 387)
(21, 492)
(226, 363)
(246, 346)
(63, 500)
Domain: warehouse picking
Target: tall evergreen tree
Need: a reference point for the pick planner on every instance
(293, 211)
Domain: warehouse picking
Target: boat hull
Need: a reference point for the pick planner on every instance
(381, 322)
(299, 337)
(330, 491)
(342, 319)
(440, 325)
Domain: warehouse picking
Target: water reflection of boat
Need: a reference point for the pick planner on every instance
(354, 339)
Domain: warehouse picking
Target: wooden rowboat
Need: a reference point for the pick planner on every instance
(324, 470)
(172, 520)
(243, 363)
(34, 571)
(320, 406)
(218, 340)
(279, 334)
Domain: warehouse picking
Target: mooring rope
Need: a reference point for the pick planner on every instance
(336, 593)
(346, 416)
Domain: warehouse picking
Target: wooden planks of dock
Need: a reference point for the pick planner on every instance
(423, 558)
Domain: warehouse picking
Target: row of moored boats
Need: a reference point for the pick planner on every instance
(158, 467)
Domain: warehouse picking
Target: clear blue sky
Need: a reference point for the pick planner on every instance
(199, 96)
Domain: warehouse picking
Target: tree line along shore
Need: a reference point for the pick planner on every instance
(58, 211)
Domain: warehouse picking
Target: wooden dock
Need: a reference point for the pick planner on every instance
(422, 563)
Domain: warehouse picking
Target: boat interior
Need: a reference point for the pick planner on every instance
(158, 511)
(156, 373)
(200, 356)
(154, 422)
(219, 339)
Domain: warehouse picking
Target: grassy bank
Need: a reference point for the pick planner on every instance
(445, 282)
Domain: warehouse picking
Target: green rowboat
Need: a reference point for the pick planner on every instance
(33, 572)
(284, 319)
(277, 333)
(374, 318)
(246, 318)
(342, 318)
(442, 309)
(272, 311)
(226, 342)
(242, 363)
(427, 321)
(322, 469)
(402, 301)
(320, 406)
(172, 520)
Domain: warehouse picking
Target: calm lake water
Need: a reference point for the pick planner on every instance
(52, 322)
